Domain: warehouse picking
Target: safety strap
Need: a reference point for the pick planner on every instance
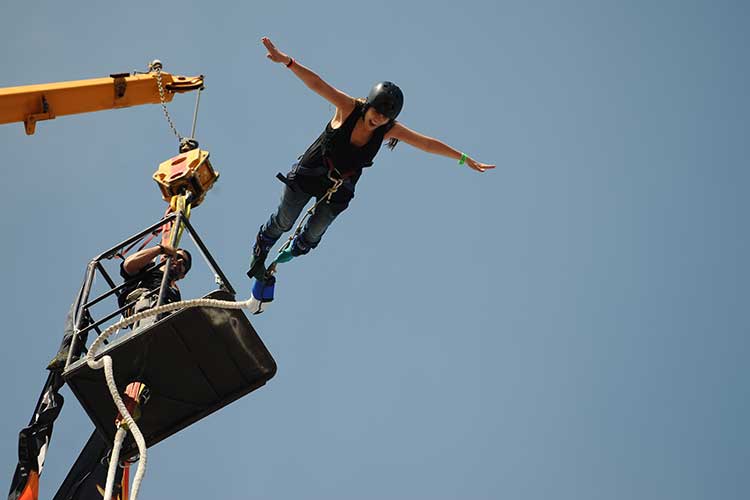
(286, 181)
(327, 198)
(141, 247)
(146, 242)
(171, 234)
(337, 181)
(346, 175)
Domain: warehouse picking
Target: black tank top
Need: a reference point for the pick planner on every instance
(334, 146)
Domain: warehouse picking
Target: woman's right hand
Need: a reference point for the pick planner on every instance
(479, 167)
(274, 54)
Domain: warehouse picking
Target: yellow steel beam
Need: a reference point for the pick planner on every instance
(32, 103)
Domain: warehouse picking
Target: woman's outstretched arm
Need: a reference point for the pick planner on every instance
(432, 145)
(342, 101)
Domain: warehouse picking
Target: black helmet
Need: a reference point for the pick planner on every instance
(386, 98)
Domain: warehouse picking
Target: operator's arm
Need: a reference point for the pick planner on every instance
(342, 101)
(136, 262)
(432, 145)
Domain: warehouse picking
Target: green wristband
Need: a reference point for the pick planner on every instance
(463, 159)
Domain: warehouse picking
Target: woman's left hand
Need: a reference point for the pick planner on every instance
(479, 167)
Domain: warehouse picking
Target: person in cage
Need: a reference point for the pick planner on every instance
(145, 280)
(143, 276)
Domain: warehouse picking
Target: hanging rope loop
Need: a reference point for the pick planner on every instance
(105, 362)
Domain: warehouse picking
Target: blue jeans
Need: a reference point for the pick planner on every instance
(291, 205)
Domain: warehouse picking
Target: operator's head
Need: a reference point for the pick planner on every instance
(181, 263)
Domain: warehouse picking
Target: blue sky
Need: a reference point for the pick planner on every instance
(571, 325)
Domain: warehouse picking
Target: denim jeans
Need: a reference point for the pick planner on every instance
(291, 205)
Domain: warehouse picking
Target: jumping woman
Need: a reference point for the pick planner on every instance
(332, 165)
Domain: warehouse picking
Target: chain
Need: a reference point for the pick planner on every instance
(156, 68)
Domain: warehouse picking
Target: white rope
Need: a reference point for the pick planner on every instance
(113, 460)
(106, 363)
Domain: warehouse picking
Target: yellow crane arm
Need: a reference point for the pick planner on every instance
(32, 103)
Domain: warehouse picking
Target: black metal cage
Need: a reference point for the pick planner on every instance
(193, 361)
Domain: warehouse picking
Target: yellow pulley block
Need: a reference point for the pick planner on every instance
(190, 171)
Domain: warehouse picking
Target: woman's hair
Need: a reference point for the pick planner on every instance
(392, 141)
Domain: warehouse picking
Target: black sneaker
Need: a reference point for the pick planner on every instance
(261, 248)
(257, 264)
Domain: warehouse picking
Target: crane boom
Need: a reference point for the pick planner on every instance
(32, 103)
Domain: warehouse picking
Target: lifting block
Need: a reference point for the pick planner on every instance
(190, 171)
(194, 362)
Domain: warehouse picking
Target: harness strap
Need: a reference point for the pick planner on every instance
(333, 175)
(286, 181)
(346, 175)
(310, 211)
